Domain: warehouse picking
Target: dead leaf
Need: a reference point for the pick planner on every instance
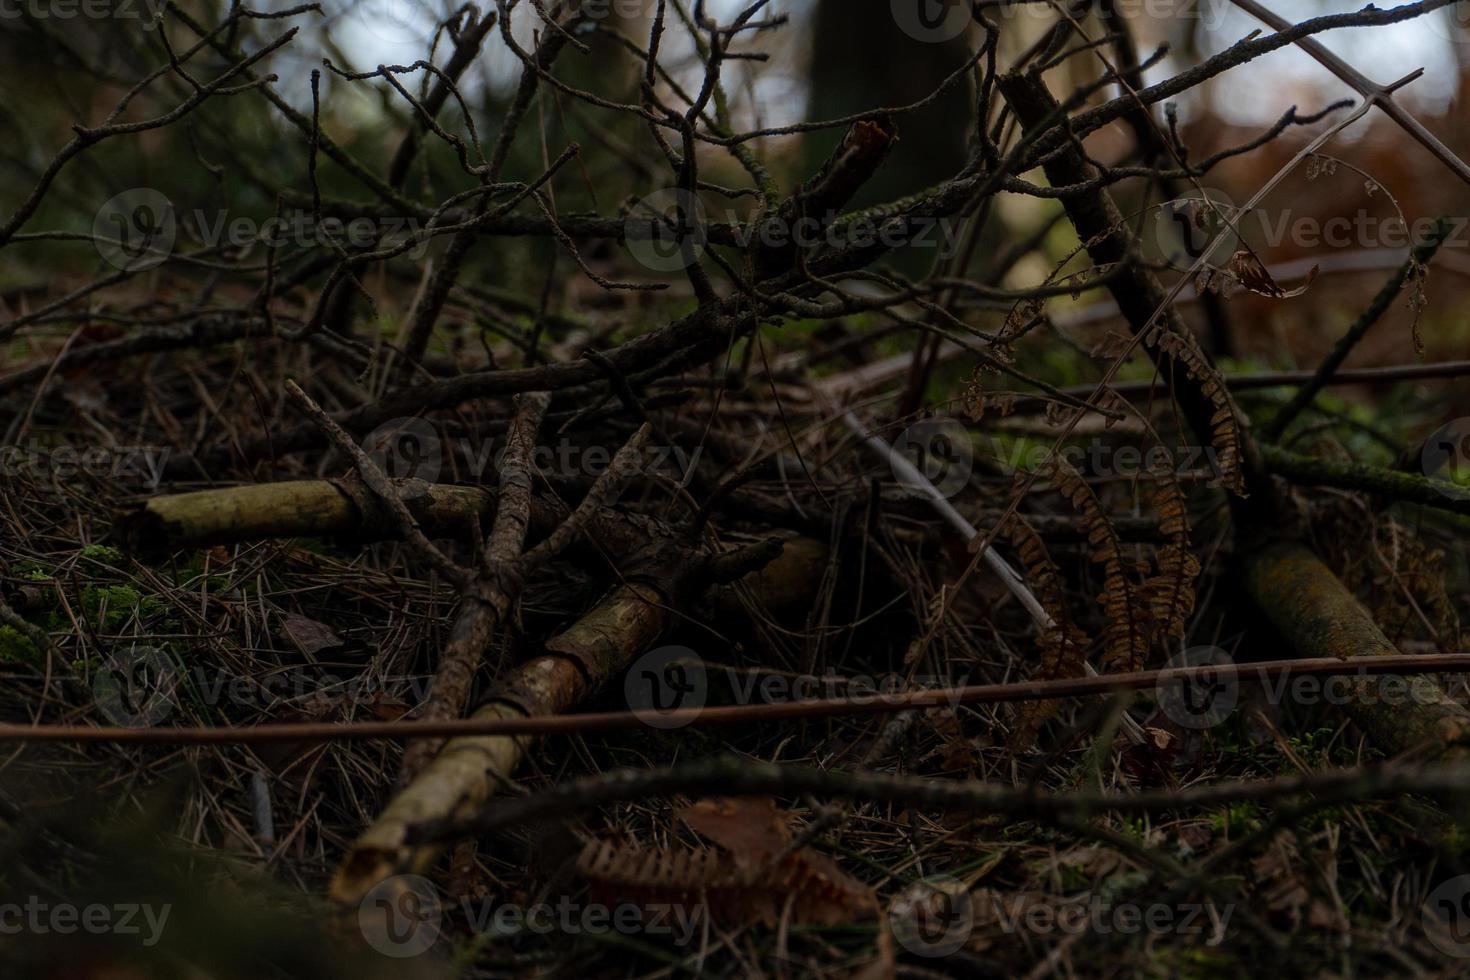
(753, 829)
(1250, 273)
(309, 635)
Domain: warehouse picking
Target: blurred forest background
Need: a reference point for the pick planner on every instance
(230, 154)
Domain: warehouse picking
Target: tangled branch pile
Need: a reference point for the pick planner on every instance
(432, 393)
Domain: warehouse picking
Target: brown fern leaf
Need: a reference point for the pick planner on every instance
(689, 879)
(755, 877)
(1063, 647)
(1170, 595)
(1224, 427)
(1125, 641)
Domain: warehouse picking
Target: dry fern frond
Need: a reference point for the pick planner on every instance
(755, 877)
(1125, 642)
(1224, 427)
(816, 889)
(1170, 595)
(1063, 648)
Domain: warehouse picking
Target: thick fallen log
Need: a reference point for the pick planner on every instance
(1319, 617)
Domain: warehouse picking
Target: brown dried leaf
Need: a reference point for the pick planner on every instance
(309, 635)
(1250, 273)
(752, 829)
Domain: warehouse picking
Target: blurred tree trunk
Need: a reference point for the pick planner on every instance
(861, 59)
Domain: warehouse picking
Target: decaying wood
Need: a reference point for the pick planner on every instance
(300, 509)
(1360, 477)
(467, 771)
(489, 591)
(1319, 617)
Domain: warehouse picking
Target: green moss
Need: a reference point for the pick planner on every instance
(102, 553)
(115, 605)
(15, 648)
(1235, 819)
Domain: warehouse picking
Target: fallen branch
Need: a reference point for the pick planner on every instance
(1362, 478)
(469, 769)
(750, 777)
(860, 705)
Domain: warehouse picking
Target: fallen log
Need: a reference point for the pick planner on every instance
(1319, 617)
(297, 509)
